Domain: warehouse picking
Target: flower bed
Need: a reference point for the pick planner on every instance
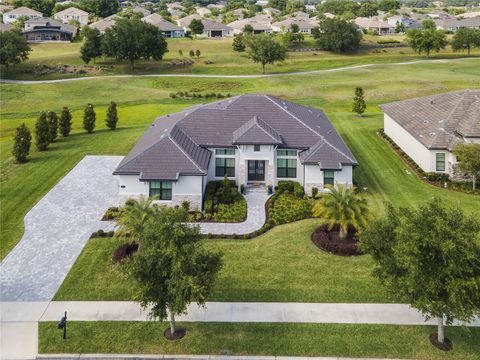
(289, 203)
(330, 241)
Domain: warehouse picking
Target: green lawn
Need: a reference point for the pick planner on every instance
(282, 265)
(217, 57)
(260, 339)
(140, 100)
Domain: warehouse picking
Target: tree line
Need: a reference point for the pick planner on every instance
(49, 125)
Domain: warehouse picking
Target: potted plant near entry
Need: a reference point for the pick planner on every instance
(270, 189)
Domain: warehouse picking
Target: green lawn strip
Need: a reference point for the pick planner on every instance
(389, 341)
(140, 100)
(281, 265)
(217, 57)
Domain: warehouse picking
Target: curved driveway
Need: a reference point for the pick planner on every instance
(57, 228)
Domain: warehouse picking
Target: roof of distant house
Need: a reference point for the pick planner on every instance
(71, 11)
(33, 25)
(258, 23)
(5, 27)
(23, 10)
(302, 23)
(439, 121)
(177, 144)
(372, 23)
(161, 23)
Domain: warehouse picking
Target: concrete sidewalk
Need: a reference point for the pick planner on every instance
(254, 312)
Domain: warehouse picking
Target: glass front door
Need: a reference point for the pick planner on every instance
(256, 170)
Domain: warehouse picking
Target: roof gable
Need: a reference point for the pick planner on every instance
(256, 131)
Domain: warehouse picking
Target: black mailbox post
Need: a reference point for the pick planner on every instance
(62, 324)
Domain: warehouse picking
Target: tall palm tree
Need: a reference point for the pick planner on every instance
(134, 217)
(342, 206)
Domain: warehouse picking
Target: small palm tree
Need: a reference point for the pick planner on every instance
(134, 218)
(342, 206)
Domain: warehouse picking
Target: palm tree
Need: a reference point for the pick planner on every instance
(134, 217)
(342, 206)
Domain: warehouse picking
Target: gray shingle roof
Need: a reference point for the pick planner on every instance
(256, 131)
(439, 121)
(161, 23)
(176, 144)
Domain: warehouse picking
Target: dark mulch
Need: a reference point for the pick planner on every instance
(124, 251)
(330, 241)
(445, 346)
(177, 335)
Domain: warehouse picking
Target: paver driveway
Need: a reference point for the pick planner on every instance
(57, 228)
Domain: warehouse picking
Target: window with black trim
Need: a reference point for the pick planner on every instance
(225, 166)
(287, 168)
(160, 190)
(440, 161)
(224, 151)
(328, 177)
(256, 148)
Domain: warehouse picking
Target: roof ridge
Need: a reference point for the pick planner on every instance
(183, 150)
(308, 127)
(266, 125)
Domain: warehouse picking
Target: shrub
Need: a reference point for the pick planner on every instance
(42, 136)
(89, 118)
(124, 251)
(286, 208)
(111, 233)
(186, 205)
(65, 123)
(21, 143)
(52, 120)
(100, 233)
(314, 192)
(112, 116)
(432, 176)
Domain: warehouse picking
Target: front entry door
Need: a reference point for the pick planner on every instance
(256, 170)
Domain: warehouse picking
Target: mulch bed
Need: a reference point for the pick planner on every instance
(330, 241)
(445, 346)
(124, 251)
(179, 334)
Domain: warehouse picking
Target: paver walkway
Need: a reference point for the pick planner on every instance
(256, 199)
(57, 228)
(398, 314)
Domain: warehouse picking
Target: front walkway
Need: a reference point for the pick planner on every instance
(256, 199)
(57, 228)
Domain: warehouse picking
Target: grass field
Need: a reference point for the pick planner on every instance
(260, 339)
(217, 57)
(282, 265)
(140, 100)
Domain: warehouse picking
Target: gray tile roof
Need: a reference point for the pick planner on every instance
(176, 144)
(256, 131)
(161, 23)
(439, 121)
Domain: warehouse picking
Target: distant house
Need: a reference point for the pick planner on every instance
(272, 11)
(72, 13)
(251, 139)
(140, 10)
(260, 23)
(300, 15)
(408, 23)
(46, 30)
(304, 25)
(12, 15)
(104, 24)
(166, 27)
(211, 29)
(202, 11)
(455, 24)
(468, 15)
(375, 24)
(428, 128)
(6, 27)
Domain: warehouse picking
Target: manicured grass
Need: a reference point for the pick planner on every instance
(281, 265)
(140, 100)
(217, 57)
(260, 339)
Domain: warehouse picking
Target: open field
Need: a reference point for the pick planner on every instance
(282, 265)
(260, 339)
(140, 100)
(217, 57)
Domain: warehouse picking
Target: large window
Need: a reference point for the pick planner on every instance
(224, 151)
(225, 166)
(161, 190)
(290, 153)
(328, 177)
(440, 161)
(286, 163)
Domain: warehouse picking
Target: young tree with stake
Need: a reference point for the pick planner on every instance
(21, 143)
(172, 267)
(89, 118)
(429, 257)
(359, 104)
(112, 116)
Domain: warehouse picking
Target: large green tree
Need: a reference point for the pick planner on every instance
(21, 143)
(344, 207)
(265, 50)
(42, 132)
(238, 44)
(14, 48)
(133, 39)
(43, 6)
(92, 45)
(469, 159)
(427, 39)
(429, 257)
(196, 27)
(465, 39)
(172, 267)
(337, 35)
(100, 8)
(359, 104)
(112, 116)
(89, 118)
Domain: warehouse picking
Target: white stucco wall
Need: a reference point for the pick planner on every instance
(314, 177)
(424, 157)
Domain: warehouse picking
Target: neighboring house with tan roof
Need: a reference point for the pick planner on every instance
(374, 24)
(211, 29)
(260, 23)
(428, 128)
(202, 11)
(12, 15)
(166, 27)
(48, 30)
(72, 13)
(455, 24)
(104, 24)
(253, 139)
(305, 26)
(6, 27)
